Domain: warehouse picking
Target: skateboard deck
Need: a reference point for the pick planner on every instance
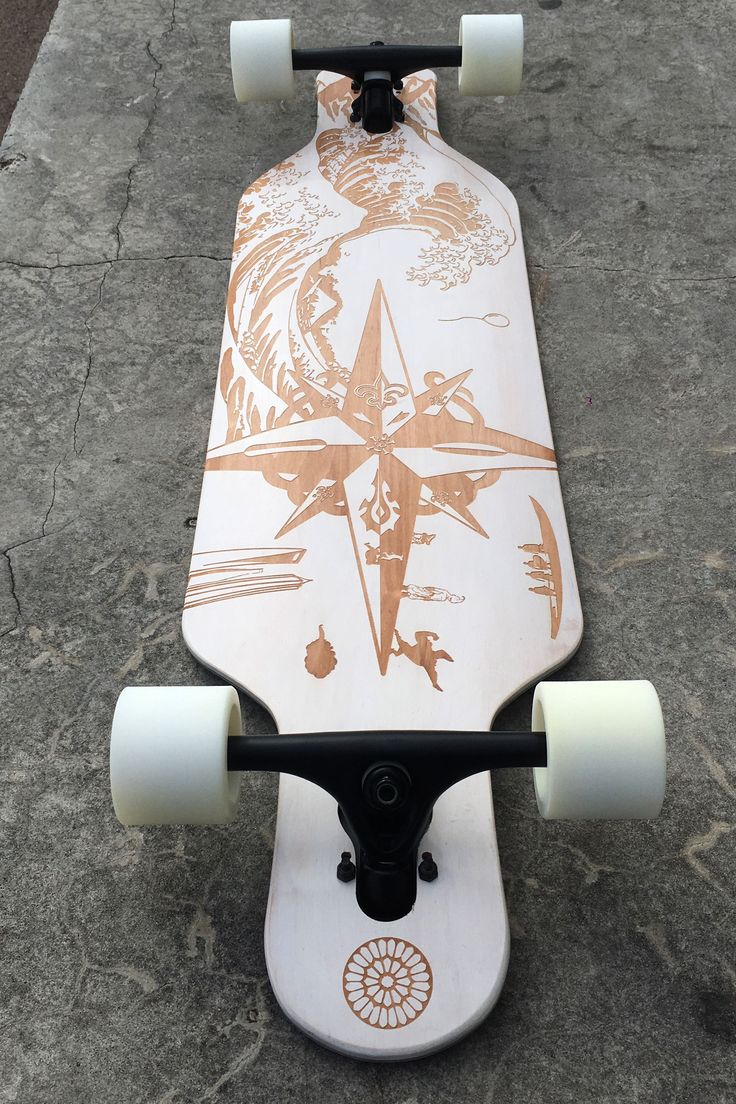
(381, 541)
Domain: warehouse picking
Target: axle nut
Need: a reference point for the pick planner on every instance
(386, 786)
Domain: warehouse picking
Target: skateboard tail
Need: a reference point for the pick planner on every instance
(386, 991)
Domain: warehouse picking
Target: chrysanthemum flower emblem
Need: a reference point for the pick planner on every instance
(381, 443)
(387, 982)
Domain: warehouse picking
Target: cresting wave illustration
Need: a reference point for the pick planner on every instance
(287, 252)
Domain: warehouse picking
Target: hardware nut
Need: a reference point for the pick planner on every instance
(386, 786)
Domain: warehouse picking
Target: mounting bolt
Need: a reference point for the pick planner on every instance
(428, 867)
(346, 868)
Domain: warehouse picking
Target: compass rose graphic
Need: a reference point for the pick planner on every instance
(381, 456)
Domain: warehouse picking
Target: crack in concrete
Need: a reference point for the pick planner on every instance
(666, 276)
(108, 263)
(13, 594)
(13, 587)
(158, 66)
(116, 260)
(85, 381)
(5, 552)
(53, 497)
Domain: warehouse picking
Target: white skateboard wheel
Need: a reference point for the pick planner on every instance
(260, 59)
(168, 755)
(493, 52)
(605, 750)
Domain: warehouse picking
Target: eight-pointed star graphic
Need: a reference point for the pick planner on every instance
(385, 452)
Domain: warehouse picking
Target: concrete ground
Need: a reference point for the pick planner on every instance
(132, 964)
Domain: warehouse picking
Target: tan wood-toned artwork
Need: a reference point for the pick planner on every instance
(381, 540)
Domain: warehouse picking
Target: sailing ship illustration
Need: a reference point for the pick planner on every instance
(544, 568)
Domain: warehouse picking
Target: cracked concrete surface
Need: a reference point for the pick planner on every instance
(132, 966)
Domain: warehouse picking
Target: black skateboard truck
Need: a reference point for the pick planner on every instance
(263, 60)
(377, 72)
(385, 785)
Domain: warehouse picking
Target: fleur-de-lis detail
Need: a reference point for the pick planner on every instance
(379, 395)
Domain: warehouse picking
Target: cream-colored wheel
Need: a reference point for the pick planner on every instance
(605, 750)
(260, 59)
(493, 53)
(168, 755)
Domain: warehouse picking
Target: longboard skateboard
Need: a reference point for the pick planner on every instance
(381, 556)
